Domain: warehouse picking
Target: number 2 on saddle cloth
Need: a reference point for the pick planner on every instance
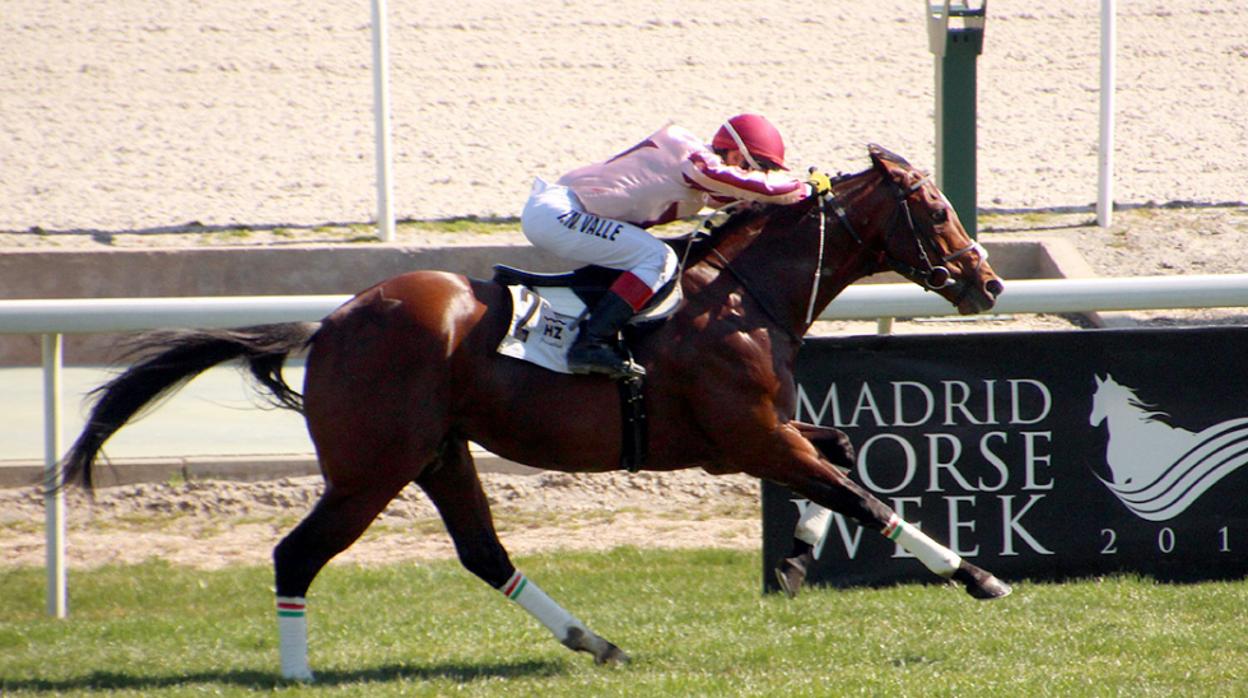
(546, 310)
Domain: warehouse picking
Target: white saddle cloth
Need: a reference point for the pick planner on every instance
(543, 327)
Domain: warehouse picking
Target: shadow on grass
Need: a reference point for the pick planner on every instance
(265, 681)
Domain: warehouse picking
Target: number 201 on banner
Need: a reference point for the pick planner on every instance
(1165, 540)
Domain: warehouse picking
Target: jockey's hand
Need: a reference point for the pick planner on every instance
(819, 182)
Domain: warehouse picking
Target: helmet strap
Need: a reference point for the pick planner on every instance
(745, 152)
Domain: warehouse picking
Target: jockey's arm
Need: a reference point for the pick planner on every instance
(706, 171)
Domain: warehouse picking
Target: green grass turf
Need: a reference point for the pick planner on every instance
(695, 624)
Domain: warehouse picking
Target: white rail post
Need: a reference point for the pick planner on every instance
(1105, 161)
(381, 114)
(54, 497)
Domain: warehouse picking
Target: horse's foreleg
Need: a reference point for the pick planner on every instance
(827, 486)
(834, 447)
(455, 489)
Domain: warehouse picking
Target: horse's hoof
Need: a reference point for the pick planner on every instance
(585, 641)
(611, 655)
(981, 584)
(791, 574)
(991, 588)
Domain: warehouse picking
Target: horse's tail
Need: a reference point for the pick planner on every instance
(167, 360)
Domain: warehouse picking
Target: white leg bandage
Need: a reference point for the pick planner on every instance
(292, 633)
(935, 556)
(812, 524)
(532, 599)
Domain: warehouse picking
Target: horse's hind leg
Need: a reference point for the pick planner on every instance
(455, 489)
(343, 513)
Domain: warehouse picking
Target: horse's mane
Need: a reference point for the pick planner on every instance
(700, 242)
(1128, 396)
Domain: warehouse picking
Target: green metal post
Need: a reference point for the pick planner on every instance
(955, 33)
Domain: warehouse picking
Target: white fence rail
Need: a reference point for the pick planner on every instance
(1051, 296)
(76, 316)
(54, 318)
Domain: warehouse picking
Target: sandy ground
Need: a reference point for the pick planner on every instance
(211, 524)
(143, 116)
(126, 125)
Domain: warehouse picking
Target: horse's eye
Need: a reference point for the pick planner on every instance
(940, 215)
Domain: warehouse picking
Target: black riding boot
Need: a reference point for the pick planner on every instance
(594, 350)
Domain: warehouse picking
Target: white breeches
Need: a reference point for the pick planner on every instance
(554, 220)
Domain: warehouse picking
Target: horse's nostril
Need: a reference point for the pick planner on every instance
(994, 288)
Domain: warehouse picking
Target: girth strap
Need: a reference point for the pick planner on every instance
(633, 424)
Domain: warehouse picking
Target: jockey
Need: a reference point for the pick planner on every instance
(598, 214)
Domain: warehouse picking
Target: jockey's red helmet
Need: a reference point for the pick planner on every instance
(754, 136)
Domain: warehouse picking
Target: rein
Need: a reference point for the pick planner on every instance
(814, 284)
(930, 276)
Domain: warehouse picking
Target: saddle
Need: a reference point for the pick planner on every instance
(546, 310)
(588, 284)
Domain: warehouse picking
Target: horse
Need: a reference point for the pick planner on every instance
(1141, 446)
(402, 376)
(1158, 470)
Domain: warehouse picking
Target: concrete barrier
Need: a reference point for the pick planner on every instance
(26, 473)
(224, 271)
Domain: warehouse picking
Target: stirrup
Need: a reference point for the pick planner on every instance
(618, 366)
(626, 368)
(633, 370)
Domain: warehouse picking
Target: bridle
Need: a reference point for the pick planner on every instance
(932, 277)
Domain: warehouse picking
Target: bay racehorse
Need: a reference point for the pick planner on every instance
(400, 378)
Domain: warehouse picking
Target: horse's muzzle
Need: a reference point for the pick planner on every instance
(994, 288)
(981, 297)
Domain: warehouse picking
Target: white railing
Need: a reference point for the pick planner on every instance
(865, 302)
(54, 318)
(1050, 296)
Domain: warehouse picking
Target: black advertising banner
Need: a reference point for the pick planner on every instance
(1035, 455)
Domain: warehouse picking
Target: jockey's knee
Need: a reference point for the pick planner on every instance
(660, 266)
(671, 265)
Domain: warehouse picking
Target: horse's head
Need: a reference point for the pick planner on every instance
(1112, 397)
(925, 241)
(887, 217)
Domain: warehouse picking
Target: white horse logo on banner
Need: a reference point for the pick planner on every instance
(1158, 470)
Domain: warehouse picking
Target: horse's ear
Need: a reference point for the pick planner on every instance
(888, 163)
(877, 157)
(1099, 381)
(882, 157)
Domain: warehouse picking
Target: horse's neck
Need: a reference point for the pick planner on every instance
(820, 242)
(859, 256)
(778, 254)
